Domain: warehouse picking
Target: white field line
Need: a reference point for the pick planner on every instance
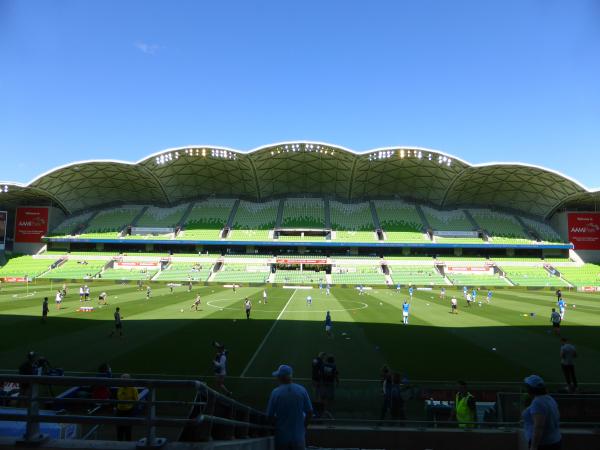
(267, 336)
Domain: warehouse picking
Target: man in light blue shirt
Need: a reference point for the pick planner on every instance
(541, 420)
(290, 409)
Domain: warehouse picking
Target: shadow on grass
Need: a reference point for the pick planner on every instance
(183, 348)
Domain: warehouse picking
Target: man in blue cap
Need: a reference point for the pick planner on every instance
(541, 419)
(290, 409)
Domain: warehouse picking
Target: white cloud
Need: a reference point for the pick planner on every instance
(148, 49)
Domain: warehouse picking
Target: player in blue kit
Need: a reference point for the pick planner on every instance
(328, 325)
(489, 296)
(474, 294)
(405, 308)
(410, 292)
(464, 291)
(562, 305)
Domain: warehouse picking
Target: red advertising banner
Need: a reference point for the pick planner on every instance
(584, 230)
(301, 261)
(31, 224)
(470, 269)
(131, 264)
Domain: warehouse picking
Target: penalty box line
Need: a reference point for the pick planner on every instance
(262, 344)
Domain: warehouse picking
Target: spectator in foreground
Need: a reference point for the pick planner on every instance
(102, 392)
(464, 407)
(397, 401)
(568, 353)
(290, 409)
(126, 409)
(317, 374)
(386, 387)
(331, 379)
(541, 418)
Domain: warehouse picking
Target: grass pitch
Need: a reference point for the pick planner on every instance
(368, 332)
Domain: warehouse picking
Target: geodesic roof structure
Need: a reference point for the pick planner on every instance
(301, 168)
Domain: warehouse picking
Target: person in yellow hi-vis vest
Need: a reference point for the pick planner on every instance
(127, 409)
(464, 407)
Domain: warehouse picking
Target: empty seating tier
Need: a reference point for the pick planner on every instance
(156, 217)
(299, 277)
(532, 276)
(253, 221)
(454, 220)
(25, 266)
(206, 219)
(400, 221)
(242, 273)
(185, 272)
(586, 275)
(501, 227)
(76, 270)
(352, 222)
(358, 275)
(465, 279)
(416, 275)
(543, 230)
(303, 213)
(109, 222)
(71, 224)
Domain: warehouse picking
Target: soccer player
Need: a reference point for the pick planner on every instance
(45, 310)
(489, 296)
(309, 301)
(102, 298)
(562, 305)
(190, 285)
(454, 305)
(443, 294)
(247, 307)
(265, 296)
(474, 294)
(196, 303)
(81, 293)
(327, 289)
(555, 319)
(148, 292)
(410, 292)
(465, 291)
(405, 308)
(118, 324)
(469, 300)
(171, 286)
(87, 292)
(64, 290)
(398, 287)
(558, 294)
(58, 299)
(328, 324)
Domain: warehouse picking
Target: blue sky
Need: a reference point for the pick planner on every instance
(516, 80)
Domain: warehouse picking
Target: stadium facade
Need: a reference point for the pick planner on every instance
(457, 206)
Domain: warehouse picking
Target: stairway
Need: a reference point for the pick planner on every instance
(327, 214)
(426, 224)
(186, 214)
(139, 216)
(279, 213)
(471, 219)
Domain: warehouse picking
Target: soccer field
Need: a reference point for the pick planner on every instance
(368, 332)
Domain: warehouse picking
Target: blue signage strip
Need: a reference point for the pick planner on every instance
(311, 244)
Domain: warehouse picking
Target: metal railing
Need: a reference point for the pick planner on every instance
(210, 415)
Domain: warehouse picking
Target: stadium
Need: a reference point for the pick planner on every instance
(357, 233)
